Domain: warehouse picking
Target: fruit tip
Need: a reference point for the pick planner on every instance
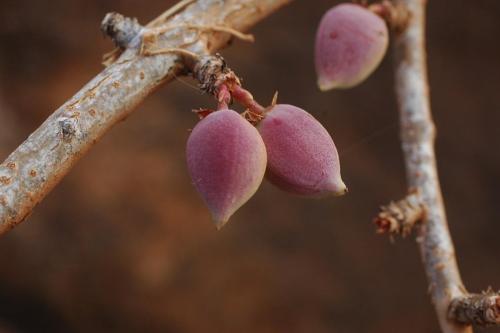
(220, 222)
(340, 190)
(326, 85)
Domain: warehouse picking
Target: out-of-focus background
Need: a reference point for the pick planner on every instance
(129, 247)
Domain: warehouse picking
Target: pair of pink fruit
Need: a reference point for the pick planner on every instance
(228, 157)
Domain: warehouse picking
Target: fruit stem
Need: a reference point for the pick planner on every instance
(417, 142)
(223, 97)
(245, 98)
(217, 79)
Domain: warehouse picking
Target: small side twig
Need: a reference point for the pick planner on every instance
(204, 28)
(476, 309)
(399, 218)
(169, 13)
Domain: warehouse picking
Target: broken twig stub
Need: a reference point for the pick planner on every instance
(399, 218)
(476, 309)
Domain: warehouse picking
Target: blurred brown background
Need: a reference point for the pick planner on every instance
(124, 244)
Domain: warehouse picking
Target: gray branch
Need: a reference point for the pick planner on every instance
(48, 154)
(417, 136)
(400, 217)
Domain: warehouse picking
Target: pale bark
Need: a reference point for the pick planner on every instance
(417, 135)
(39, 163)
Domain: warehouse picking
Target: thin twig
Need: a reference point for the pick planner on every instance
(149, 39)
(171, 50)
(169, 13)
(39, 163)
(417, 135)
(204, 28)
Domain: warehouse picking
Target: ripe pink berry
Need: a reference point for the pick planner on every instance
(301, 155)
(226, 159)
(350, 43)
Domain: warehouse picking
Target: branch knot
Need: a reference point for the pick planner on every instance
(212, 71)
(122, 30)
(399, 217)
(476, 309)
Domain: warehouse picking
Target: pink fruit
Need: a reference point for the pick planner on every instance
(350, 43)
(226, 159)
(301, 155)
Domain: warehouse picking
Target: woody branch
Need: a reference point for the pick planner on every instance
(47, 155)
(455, 308)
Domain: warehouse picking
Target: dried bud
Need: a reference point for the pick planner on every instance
(226, 159)
(351, 41)
(301, 155)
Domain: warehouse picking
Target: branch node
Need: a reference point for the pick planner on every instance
(212, 72)
(217, 79)
(122, 30)
(398, 218)
(476, 309)
(68, 129)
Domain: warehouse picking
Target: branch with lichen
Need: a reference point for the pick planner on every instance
(48, 154)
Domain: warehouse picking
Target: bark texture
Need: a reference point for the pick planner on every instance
(417, 136)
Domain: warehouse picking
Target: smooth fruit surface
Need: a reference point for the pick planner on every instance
(351, 41)
(226, 159)
(301, 156)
